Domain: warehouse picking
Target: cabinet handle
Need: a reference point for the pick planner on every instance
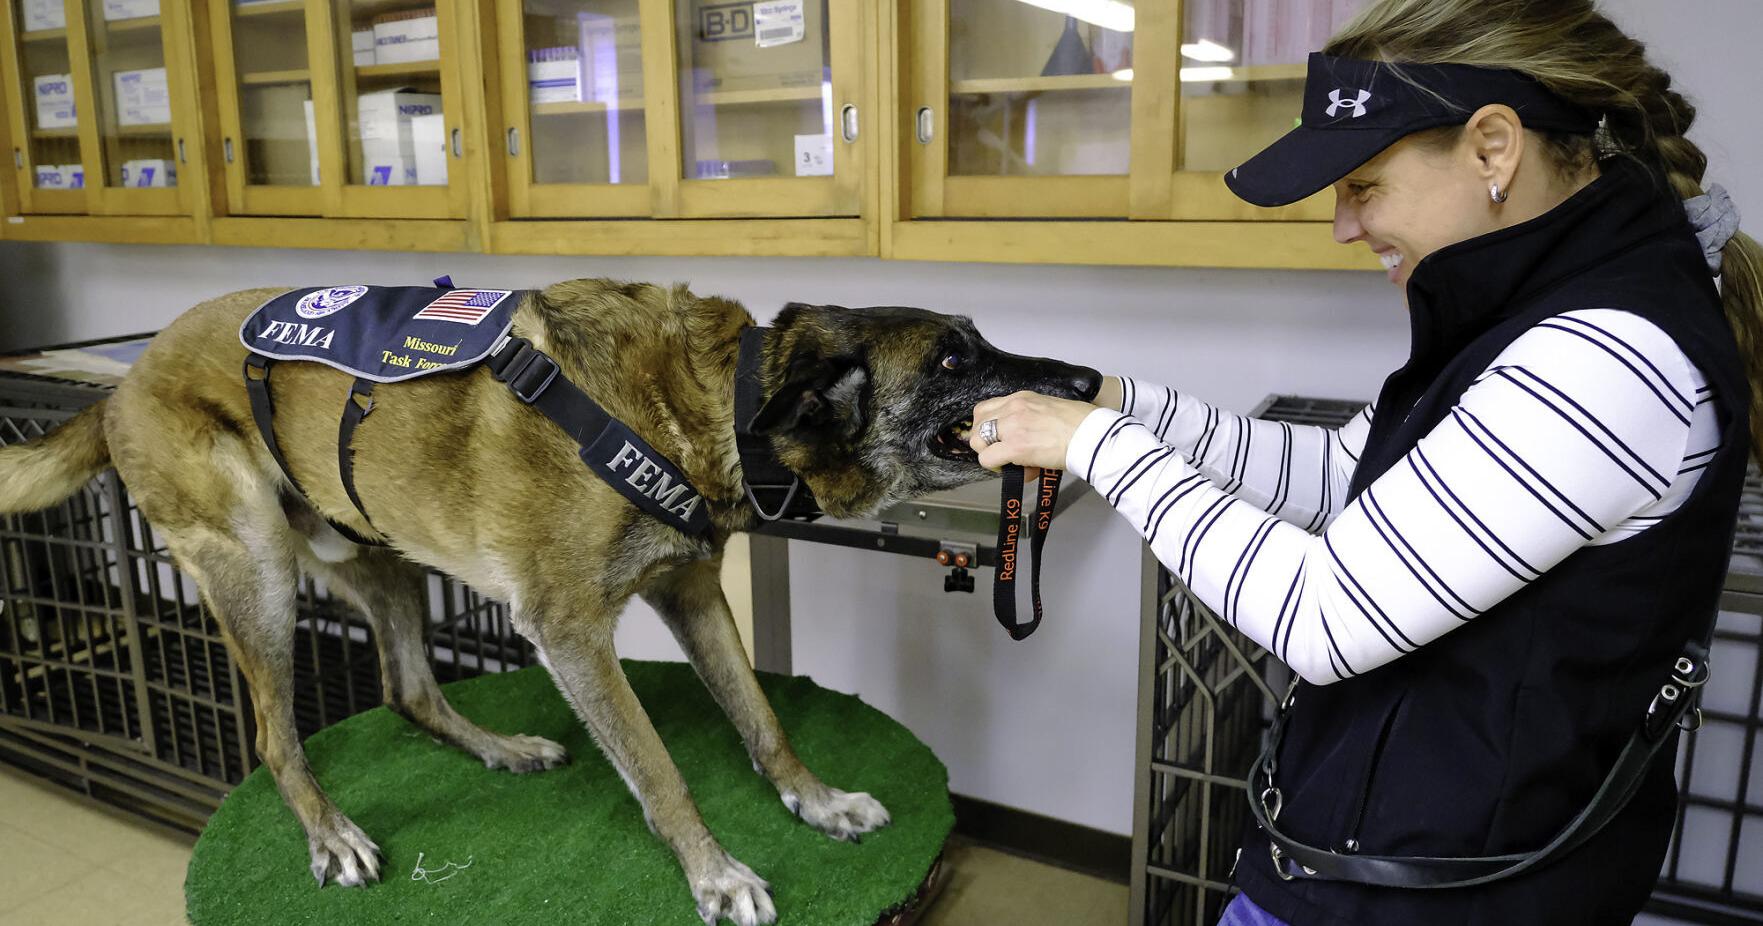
(18, 158)
(927, 122)
(181, 158)
(456, 148)
(514, 143)
(226, 146)
(848, 122)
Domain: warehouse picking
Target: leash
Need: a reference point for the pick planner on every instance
(1010, 529)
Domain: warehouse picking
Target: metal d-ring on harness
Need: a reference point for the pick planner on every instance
(760, 468)
(1673, 706)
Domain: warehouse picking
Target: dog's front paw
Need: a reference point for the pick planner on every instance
(521, 753)
(838, 814)
(342, 853)
(730, 890)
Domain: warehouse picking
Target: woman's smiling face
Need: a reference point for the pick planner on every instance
(1409, 201)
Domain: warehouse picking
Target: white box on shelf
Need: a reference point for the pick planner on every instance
(312, 140)
(49, 177)
(428, 135)
(400, 38)
(129, 9)
(362, 40)
(73, 176)
(611, 57)
(149, 172)
(44, 14)
(384, 127)
(142, 97)
(54, 94)
(814, 155)
(554, 75)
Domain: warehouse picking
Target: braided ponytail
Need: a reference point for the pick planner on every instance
(1577, 52)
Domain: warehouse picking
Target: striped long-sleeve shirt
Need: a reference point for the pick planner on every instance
(1586, 429)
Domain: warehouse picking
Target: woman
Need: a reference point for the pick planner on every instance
(1484, 580)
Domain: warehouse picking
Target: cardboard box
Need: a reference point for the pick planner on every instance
(54, 95)
(554, 75)
(413, 35)
(428, 135)
(611, 53)
(312, 140)
(768, 45)
(149, 172)
(44, 14)
(73, 176)
(129, 9)
(142, 97)
(362, 39)
(388, 145)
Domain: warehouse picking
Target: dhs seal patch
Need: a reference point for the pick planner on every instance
(319, 303)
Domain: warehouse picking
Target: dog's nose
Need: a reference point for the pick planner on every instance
(1086, 383)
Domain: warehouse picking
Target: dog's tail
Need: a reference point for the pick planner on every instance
(39, 473)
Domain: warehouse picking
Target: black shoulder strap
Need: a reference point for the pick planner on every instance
(355, 408)
(762, 475)
(263, 413)
(1675, 700)
(609, 447)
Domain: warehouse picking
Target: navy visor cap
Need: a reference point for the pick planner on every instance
(1354, 109)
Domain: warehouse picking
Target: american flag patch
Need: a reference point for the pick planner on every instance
(465, 306)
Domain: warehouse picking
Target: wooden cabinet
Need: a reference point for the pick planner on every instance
(1083, 131)
(101, 104)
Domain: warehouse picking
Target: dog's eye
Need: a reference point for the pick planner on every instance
(953, 361)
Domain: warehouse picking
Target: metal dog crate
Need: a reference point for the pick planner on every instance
(113, 676)
(1206, 693)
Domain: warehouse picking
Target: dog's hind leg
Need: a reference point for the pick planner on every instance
(388, 590)
(690, 601)
(248, 580)
(578, 652)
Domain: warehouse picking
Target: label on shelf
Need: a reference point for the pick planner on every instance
(44, 14)
(129, 9)
(814, 155)
(54, 94)
(142, 97)
(362, 41)
(149, 172)
(400, 38)
(778, 22)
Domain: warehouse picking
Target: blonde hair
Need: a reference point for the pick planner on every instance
(1580, 55)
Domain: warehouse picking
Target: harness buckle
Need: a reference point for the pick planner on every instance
(532, 375)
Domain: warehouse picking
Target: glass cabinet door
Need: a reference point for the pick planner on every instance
(265, 82)
(1242, 87)
(577, 134)
(41, 111)
(136, 124)
(1029, 112)
(769, 95)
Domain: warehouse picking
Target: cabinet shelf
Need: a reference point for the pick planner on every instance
(149, 130)
(1208, 75)
(136, 24)
(274, 78)
(402, 69)
(270, 8)
(44, 35)
(635, 104)
(55, 133)
(754, 97)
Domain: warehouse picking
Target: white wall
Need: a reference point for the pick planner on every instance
(1046, 725)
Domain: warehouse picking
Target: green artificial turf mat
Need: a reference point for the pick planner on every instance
(569, 845)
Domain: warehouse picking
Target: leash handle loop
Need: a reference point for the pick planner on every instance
(1010, 530)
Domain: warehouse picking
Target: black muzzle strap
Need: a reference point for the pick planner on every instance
(1011, 526)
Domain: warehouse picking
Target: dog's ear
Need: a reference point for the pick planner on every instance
(820, 396)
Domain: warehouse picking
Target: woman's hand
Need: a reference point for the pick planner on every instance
(1033, 430)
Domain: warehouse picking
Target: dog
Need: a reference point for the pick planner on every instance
(866, 406)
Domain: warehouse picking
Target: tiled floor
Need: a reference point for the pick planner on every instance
(66, 861)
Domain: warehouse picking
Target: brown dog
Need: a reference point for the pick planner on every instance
(867, 406)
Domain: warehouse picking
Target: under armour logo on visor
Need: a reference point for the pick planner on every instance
(1357, 104)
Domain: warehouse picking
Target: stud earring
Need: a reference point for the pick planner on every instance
(1496, 194)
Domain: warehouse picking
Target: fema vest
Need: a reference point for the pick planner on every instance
(1490, 739)
(389, 334)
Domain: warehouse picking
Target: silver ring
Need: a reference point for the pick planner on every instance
(988, 431)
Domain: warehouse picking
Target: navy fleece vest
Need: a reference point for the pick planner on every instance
(1490, 739)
